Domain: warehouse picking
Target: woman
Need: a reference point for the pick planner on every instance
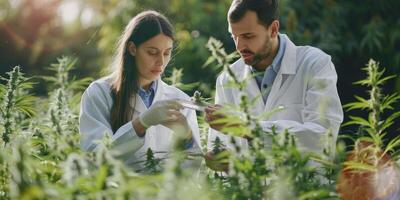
(133, 105)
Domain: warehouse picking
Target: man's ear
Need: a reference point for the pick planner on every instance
(132, 48)
(274, 28)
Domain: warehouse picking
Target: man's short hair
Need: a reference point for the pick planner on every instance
(267, 10)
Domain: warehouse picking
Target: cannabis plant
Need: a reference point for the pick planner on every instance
(14, 102)
(370, 170)
(175, 79)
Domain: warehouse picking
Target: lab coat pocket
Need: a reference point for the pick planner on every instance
(291, 112)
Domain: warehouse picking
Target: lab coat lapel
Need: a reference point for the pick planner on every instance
(161, 91)
(253, 91)
(140, 107)
(138, 104)
(283, 79)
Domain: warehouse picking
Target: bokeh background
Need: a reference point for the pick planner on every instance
(34, 33)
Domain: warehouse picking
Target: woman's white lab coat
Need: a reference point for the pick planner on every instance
(94, 123)
(305, 86)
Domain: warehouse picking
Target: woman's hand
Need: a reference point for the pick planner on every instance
(166, 113)
(179, 125)
(160, 112)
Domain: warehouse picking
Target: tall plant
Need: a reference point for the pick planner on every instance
(376, 105)
(14, 99)
(371, 159)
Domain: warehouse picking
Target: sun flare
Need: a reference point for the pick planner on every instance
(69, 11)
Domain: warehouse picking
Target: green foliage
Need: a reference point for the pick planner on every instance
(175, 79)
(372, 29)
(217, 146)
(69, 86)
(13, 100)
(42, 159)
(36, 34)
(62, 70)
(152, 164)
(375, 126)
(40, 156)
(350, 31)
(377, 104)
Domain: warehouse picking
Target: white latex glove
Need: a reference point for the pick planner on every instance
(180, 125)
(160, 112)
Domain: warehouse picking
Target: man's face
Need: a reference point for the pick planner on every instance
(252, 39)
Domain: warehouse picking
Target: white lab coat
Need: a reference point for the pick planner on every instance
(94, 123)
(305, 86)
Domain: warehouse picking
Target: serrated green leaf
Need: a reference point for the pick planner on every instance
(357, 121)
(393, 144)
(354, 165)
(389, 100)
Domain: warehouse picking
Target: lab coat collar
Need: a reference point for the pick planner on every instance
(288, 68)
(288, 65)
(160, 94)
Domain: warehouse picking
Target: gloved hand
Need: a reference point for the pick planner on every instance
(160, 112)
(180, 126)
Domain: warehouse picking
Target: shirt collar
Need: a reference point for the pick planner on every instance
(152, 88)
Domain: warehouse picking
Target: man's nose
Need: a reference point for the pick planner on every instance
(239, 44)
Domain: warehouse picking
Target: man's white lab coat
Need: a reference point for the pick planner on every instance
(94, 123)
(305, 86)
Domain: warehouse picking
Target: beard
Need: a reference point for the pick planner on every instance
(259, 56)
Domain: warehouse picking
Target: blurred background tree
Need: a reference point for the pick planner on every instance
(34, 32)
(351, 32)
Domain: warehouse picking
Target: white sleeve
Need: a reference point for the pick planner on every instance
(322, 111)
(94, 123)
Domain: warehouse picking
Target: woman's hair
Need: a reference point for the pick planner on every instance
(125, 77)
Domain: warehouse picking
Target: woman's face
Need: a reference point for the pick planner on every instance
(152, 57)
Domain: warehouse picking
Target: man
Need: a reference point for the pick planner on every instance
(301, 79)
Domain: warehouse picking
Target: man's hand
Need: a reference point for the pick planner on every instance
(217, 162)
(211, 116)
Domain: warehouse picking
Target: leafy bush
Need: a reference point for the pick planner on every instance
(40, 156)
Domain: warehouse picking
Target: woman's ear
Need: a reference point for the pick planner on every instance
(132, 48)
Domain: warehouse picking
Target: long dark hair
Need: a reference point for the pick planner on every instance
(125, 78)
